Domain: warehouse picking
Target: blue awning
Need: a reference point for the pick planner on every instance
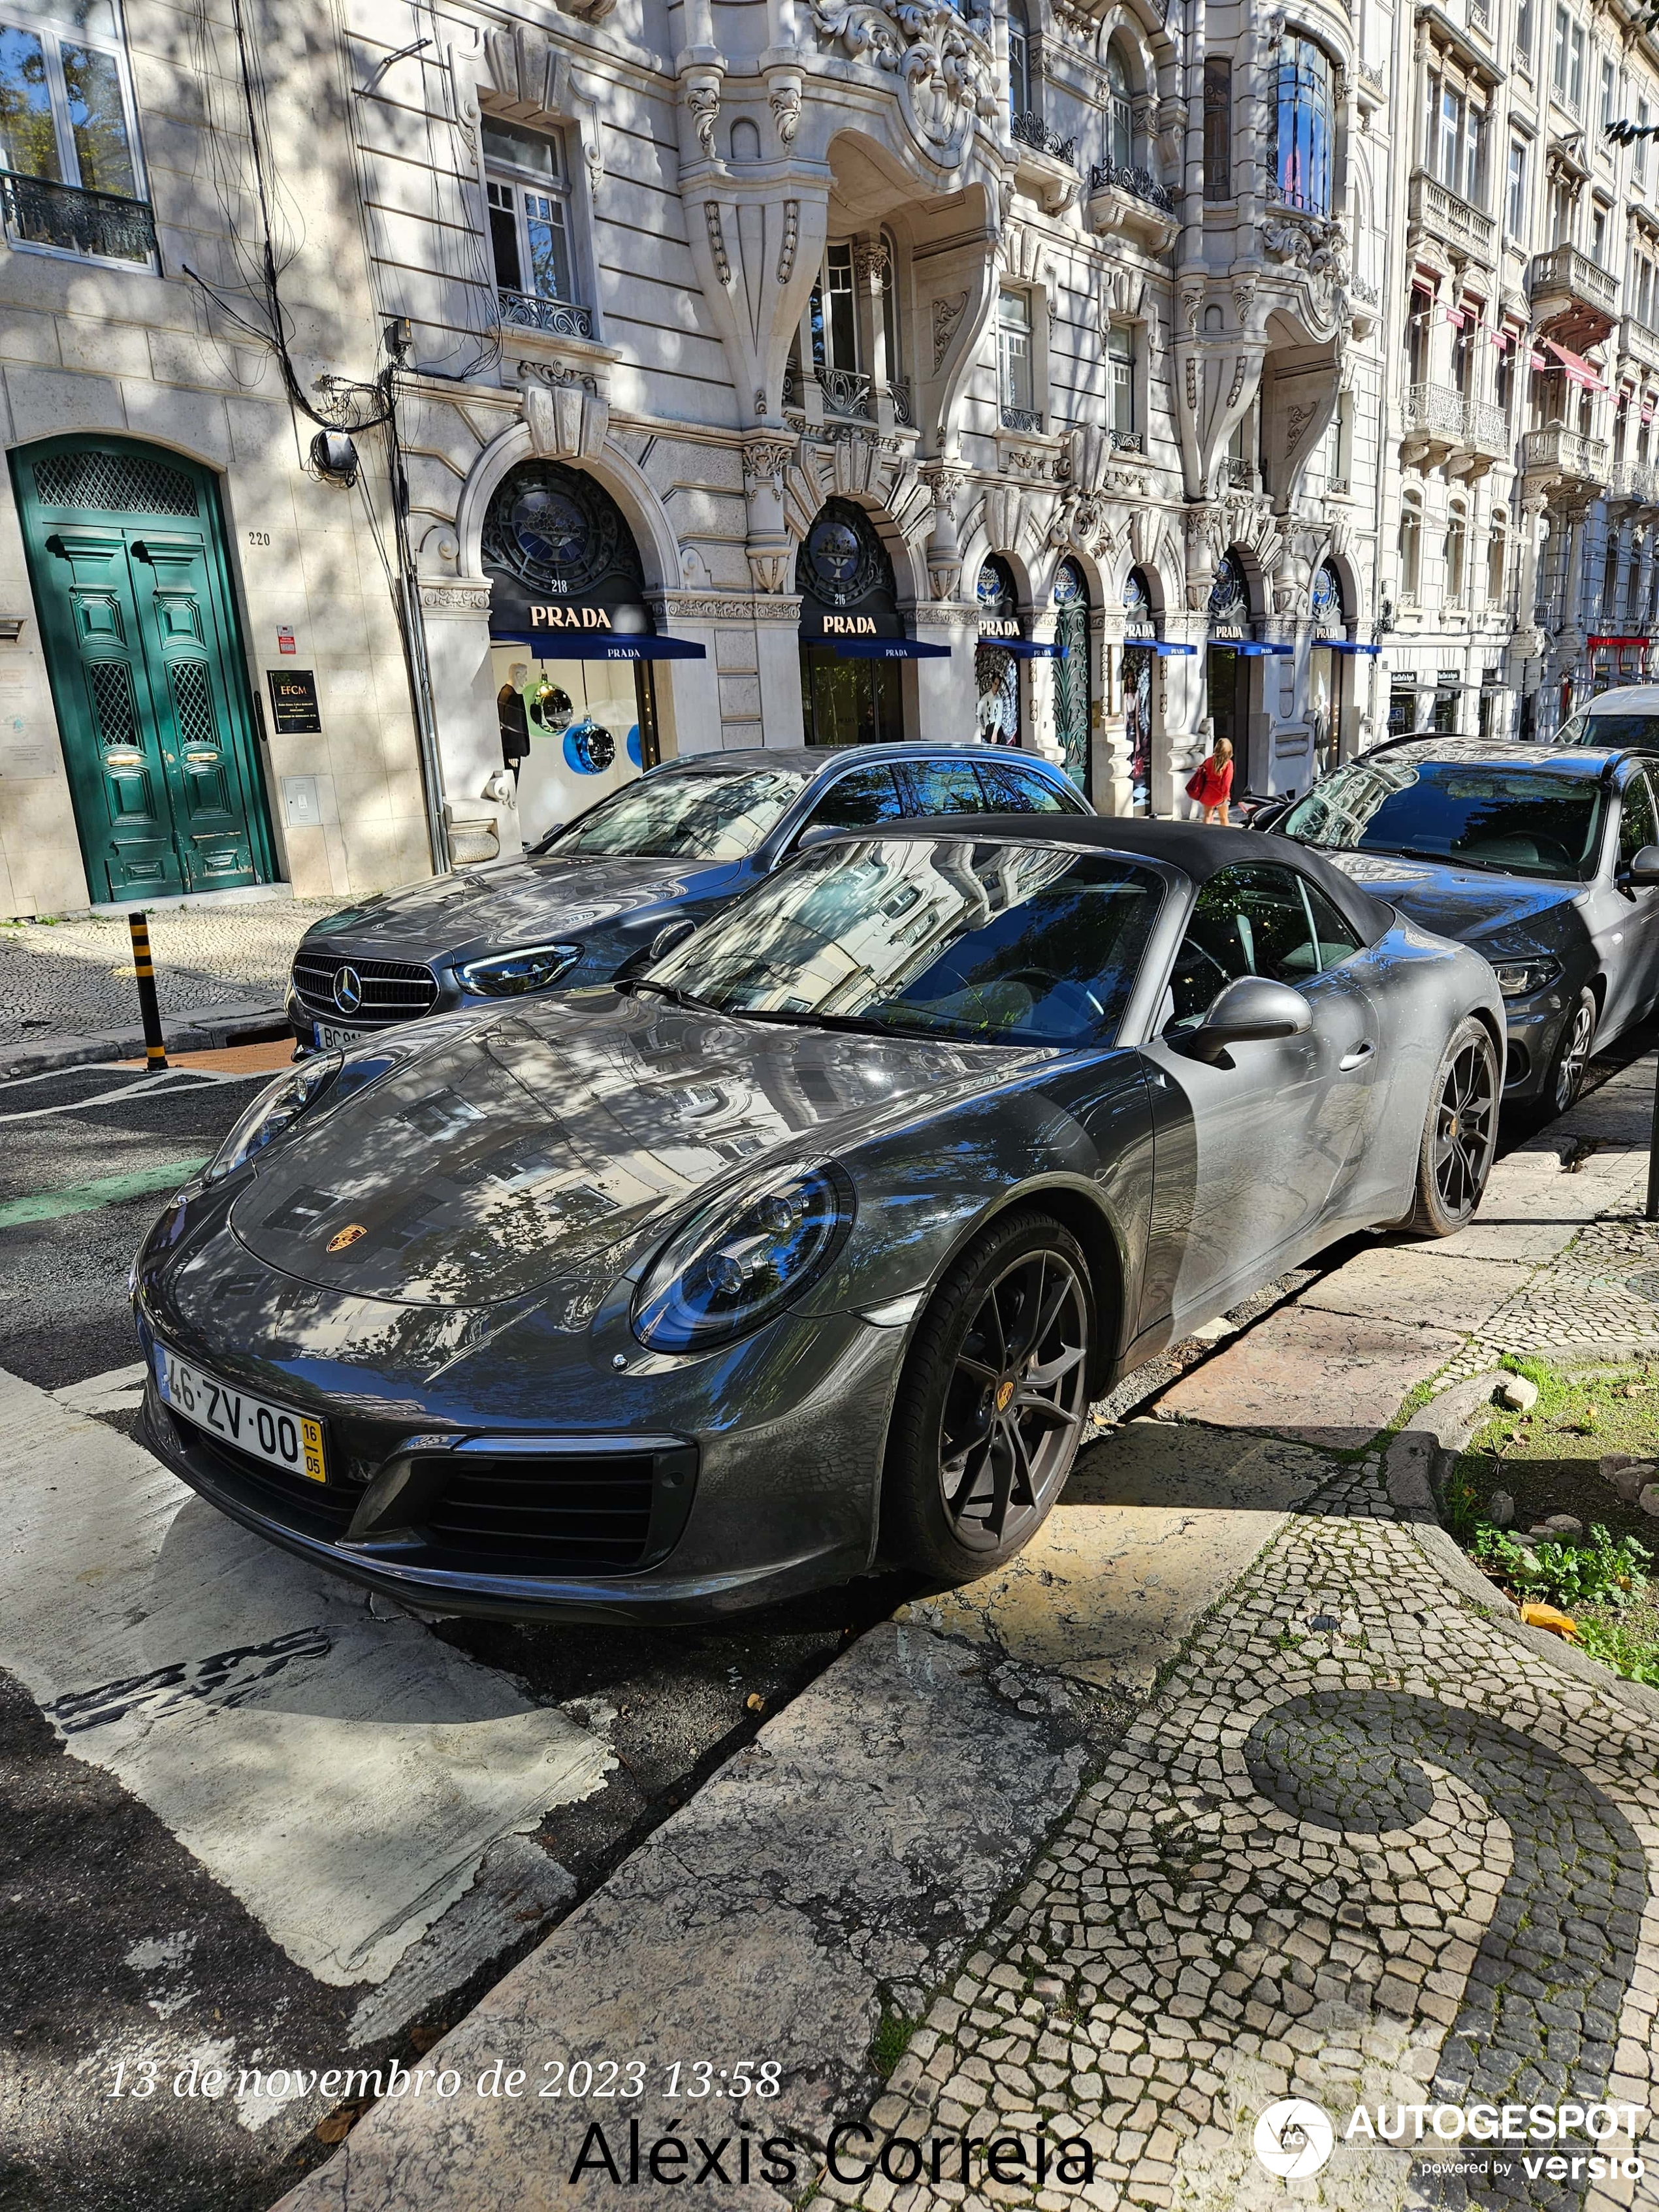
(882, 649)
(1345, 645)
(1245, 646)
(601, 644)
(1158, 646)
(1028, 648)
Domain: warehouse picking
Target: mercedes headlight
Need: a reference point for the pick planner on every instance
(1519, 979)
(511, 975)
(741, 1259)
(276, 1109)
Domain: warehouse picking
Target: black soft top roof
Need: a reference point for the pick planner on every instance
(1199, 850)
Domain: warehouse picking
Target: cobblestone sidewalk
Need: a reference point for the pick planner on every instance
(1365, 1847)
(74, 979)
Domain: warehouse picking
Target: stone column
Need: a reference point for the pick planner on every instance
(869, 269)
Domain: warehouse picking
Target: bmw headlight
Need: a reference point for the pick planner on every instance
(276, 1109)
(742, 1259)
(511, 975)
(1519, 979)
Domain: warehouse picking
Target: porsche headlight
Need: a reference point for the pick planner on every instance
(511, 975)
(1519, 979)
(743, 1259)
(276, 1109)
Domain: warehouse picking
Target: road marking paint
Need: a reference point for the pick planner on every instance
(171, 1080)
(101, 1191)
(120, 1391)
(344, 1776)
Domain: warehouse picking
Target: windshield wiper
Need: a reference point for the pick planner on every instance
(1450, 859)
(630, 985)
(793, 1018)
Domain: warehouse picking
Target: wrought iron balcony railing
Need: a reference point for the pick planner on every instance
(39, 212)
(1021, 418)
(1126, 442)
(845, 391)
(1031, 130)
(1140, 184)
(1241, 473)
(1435, 410)
(559, 318)
(903, 410)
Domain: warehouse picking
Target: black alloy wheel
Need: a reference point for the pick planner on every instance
(992, 1405)
(1572, 1056)
(1460, 1131)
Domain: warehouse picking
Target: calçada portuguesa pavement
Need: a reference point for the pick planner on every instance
(1241, 1785)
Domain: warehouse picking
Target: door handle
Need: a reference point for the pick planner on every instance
(1362, 1051)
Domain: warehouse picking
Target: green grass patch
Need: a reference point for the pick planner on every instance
(892, 2040)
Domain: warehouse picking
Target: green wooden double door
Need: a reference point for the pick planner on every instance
(126, 556)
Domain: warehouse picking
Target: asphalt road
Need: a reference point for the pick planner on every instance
(136, 1926)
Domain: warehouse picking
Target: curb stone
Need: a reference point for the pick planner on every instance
(209, 1029)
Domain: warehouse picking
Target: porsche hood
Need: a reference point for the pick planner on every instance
(540, 1146)
(1473, 905)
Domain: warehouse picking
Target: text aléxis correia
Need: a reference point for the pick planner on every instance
(854, 2153)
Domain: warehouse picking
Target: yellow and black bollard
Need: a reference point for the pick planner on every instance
(155, 1051)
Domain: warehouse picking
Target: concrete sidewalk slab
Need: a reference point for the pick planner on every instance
(855, 1846)
(1326, 1378)
(1420, 1285)
(1157, 1522)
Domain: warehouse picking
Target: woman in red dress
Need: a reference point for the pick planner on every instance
(1212, 786)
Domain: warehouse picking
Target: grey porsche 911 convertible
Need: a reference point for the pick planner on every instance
(809, 1247)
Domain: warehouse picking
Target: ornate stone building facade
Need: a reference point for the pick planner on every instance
(764, 370)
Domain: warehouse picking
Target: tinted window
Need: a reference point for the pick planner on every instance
(1588, 729)
(1011, 790)
(938, 937)
(698, 814)
(946, 788)
(1520, 821)
(1336, 938)
(858, 801)
(1248, 922)
(1636, 822)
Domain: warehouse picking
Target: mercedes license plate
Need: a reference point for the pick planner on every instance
(329, 1039)
(272, 1433)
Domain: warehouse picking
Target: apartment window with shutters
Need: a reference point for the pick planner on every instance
(1120, 111)
(1014, 364)
(1514, 202)
(834, 313)
(1523, 35)
(526, 183)
(1497, 547)
(68, 127)
(1121, 371)
(1609, 79)
(1455, 147)
(1019, 61)
(1411, 549)
(1503, 382)
(1416, 338)
(1599, 237)
(1218, 128)
(1567, 67)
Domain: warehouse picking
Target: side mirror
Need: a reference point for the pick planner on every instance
(541, 842)
(1248, 1008)
(1643, 871)
(820, 832)
(671, 934)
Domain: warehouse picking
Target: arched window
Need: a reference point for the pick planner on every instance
(1120, 111)
(1230, 595)
(1457, 545)
(1326, 600)
(1304, 116)
(1137, 605)
(1498, 553)
(1019, 59)
(1411, 549)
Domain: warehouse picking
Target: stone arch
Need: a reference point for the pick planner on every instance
(1258, 581)
(632, 491)
(890, 493)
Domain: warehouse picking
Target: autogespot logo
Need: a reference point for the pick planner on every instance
(1294, 2137)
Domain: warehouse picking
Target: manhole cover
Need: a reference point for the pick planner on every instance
(1645, 1285)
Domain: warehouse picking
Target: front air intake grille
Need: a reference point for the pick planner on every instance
(389, 990)
(563, 1513)
(316, 1508)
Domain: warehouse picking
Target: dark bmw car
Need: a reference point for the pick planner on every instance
(589, 901)
(812, 1245)
(1546, 859)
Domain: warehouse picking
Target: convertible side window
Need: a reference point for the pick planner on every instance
(1635, 822)
(853, 801)
(1009, 790)
(1248, 922)
(1337, 938)
(946, 788)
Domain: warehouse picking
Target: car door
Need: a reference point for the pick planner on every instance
(1252, 1150)
(1625, 922)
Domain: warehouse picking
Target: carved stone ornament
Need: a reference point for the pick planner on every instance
(456, 599)
(790, 241)
(943, 58)
(1297, 420)
(947, 314)
(764, 461)
(783, 97)
(702, 101)
(717, 240)
(556, 374)
(870, 259)
(770, 566)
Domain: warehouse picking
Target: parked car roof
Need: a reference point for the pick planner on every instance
(1625, 699)
(813, 760)
(1506, 752)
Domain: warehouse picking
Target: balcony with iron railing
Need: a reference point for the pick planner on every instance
(1130, 200)
(1567, 456)
(103, 225)
(1434, 212)
(1028, 129)
(1573, 300)
(1140, 184)
(1026, 420)
(1240, 473)
(555, 318)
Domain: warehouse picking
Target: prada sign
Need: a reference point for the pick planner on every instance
(569, 618)
(996, 626)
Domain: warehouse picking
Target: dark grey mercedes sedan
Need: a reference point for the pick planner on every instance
(809, 1246)
(1545, 859)
(591, 899)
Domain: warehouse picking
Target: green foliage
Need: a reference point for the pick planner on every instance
(892, 2041)
(1566, 1572)
(1609, 1641)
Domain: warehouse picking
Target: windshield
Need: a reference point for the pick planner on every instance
(1588, 729)
(1521, 821)
(697, 816)
(982, 943)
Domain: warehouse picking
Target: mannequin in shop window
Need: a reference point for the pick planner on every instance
(514, 723)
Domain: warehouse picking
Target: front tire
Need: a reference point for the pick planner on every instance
(991, 1404)
(1460, 1132)
(1572, 1056)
